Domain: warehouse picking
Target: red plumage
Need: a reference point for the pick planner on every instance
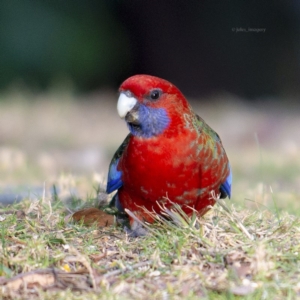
(181, 164)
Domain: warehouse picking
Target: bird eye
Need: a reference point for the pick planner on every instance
(155, 94)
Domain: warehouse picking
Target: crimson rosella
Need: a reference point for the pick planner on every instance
(170, 155)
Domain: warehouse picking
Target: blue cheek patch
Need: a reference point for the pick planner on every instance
(152, 122)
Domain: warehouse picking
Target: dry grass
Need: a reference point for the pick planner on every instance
(225, 253)
(245, 247)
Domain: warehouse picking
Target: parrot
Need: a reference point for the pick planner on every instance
(170, 156)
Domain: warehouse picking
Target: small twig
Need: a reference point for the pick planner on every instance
(86, 263)
(127, 269)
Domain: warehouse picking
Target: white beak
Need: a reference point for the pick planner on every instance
(125, 104)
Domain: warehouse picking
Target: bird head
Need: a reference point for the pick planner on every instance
(151, 105)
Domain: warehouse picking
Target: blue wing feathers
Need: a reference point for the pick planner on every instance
(114, 181)
(225, 187)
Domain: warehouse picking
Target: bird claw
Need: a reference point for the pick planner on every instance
(122, 218)
(137, 230)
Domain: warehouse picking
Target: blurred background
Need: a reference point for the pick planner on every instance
(247, 48)
(61, 63)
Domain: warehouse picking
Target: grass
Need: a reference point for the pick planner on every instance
(226, 254)
(247, 247)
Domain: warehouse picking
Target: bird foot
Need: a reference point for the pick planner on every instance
(137, 229)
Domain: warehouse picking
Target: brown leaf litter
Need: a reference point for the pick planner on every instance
(93, 215)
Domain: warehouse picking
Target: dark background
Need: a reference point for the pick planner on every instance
(204, 47)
